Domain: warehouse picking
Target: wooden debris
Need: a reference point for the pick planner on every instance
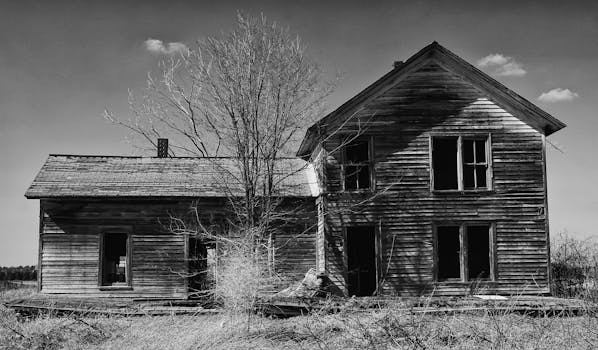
(69, 306)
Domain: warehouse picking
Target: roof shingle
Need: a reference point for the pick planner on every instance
(109, 176)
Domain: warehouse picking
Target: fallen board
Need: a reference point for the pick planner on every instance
(526, 305)
(70, 306)
(289, 307)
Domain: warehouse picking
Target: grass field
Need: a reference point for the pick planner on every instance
(386, 328)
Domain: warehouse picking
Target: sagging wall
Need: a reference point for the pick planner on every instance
(434, 101)
(70, 239)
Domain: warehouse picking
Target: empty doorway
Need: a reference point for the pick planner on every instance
(361, 260)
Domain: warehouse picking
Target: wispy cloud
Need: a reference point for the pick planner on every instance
(558, 95)
(157, 46)
(502, 65)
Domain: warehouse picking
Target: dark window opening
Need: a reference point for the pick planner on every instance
(115, 262)
(456, 155)
(357, 165)
(444, 160)
(478, 252)
(449, 252)
(361, 261)
(202, 266)
(464, 248)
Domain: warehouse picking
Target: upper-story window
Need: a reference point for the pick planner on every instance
(357, 165)
(461, 162)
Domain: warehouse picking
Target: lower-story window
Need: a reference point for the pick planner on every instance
(464, 252)
(115, 260)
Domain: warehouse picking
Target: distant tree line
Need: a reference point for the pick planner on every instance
(21, 273)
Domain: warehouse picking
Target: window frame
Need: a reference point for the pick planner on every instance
(463, 253)
(370, 163)
(460, 161)
(129, 267)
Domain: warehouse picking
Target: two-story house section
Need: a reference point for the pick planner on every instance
(433, 180)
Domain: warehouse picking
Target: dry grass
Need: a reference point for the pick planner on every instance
(386, 328)
(17, 293)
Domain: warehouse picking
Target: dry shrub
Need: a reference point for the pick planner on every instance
(241, 277)
(574, 264)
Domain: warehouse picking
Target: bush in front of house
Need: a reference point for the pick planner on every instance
(574, 267)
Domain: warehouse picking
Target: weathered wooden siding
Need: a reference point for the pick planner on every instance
(70, 249)
(295, 242)
(70, 244)
(434, 100)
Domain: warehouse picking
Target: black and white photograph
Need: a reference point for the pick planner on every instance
(298, 174)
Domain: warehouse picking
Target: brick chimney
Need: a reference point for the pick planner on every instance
(162, 148)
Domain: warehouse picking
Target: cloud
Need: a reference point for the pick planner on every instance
(157, 46)
(558, 95)
(502, 65)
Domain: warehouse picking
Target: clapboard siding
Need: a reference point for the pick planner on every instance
(70, 249)
(435, 101)
(295, 242)
(70, 244)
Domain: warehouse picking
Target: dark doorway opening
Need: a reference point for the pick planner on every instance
(361, 260)
(115, 262)
(202, 267)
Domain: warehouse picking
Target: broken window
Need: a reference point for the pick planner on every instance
(475, 166)
(115, 259)
(464, 252)
(357, 165)
(460, 163)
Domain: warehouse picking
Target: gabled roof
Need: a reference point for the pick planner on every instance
(508, 99)
(107, 176)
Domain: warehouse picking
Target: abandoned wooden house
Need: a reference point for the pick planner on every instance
(431, 180)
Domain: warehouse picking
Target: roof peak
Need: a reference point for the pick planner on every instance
(538, 118)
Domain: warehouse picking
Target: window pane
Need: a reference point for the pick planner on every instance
(467, 149)
(480, 151)
(449, 250)
(114, 260)
(468, 176)
(444, 161)
(357, 152)
(481, 176)
(478, 251)
(351, 173)
(364, 177)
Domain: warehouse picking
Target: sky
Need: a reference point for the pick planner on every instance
(63, 62)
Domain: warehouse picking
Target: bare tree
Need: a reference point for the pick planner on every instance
(247, 96)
